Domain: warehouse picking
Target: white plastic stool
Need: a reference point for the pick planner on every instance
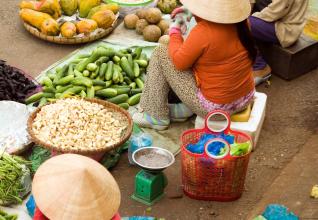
(253, 126)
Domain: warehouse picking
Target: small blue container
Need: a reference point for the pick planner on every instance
(138, 141)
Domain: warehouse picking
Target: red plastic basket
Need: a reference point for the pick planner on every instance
(205, 177)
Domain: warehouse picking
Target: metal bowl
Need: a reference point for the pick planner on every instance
(153, 159)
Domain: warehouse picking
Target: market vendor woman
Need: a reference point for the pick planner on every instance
(211, 69)
(277, 21)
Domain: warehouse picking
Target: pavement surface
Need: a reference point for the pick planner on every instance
(282, 169)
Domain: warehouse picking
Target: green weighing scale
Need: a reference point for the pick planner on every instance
(150, 182)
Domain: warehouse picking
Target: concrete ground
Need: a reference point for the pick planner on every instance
(282, 169)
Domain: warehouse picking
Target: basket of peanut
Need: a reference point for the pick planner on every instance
(83, 126)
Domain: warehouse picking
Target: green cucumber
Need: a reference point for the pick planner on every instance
(48, 95)
(109, 71)
(70, 70)
(102, 71)
(42, 102)
(119, 99)
(49, 89)
(58, 95)
(115, 74)
(109, 83)
(83, 94)
(122, 90)
(124, 105)
(136, 69)
(34, 98)
(133, 85)
(107, 93)
(143, 56)
(127, 80)
(73, 90)
(86, 73)
(76, 60)
(139, 83)
(91, 67)
(96, 88)
(137, 53)
(46, 81)
(82, 81)
(63, 88)
(119, 54)
(135, 91)
(82, 56)
(130, 60)
(126, 67)
(97, 82)
(142, 63)
(119, 86)
(78, 73)
(116, 59)
(90, 92)
(60, 73)
(121, 78)
(102, 60)
(50, 75)
(134, 100)
(65, 80)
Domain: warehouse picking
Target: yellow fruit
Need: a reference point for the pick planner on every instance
(111, 6)
(86, 26)
(42, 21)
(68, 29)
(86, 5)
(69, 7)
(104, 19)
(130, 21)
(51, 7)
(50, 27)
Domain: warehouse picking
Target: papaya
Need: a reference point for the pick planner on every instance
(110, 6)
(86, 26)
(104, 19)
(86, 5)
(50, 27)
(51, 7)
(68, 29)
(42, 21)
(69, 7)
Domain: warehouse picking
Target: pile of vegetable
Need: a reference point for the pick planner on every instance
(14, 85)
(15, 179)
(115, 76)
(68, 18)
(149, 23)
(6, 216)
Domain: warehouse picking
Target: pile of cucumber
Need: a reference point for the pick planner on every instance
(115, 76)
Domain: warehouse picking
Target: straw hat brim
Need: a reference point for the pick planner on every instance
(219, 11)
(75, 187)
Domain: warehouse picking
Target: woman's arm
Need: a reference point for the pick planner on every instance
(185, 53)
(275, 11)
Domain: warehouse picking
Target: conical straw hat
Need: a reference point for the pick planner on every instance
(220, 11)
(75, 187)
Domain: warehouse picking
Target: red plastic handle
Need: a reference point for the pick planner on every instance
(218, 112)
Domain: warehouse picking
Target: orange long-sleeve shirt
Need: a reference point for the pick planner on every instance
(219, 61)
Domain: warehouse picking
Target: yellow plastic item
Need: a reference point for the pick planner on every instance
(243, 116)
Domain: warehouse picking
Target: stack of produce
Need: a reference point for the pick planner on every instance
(51, 16)
(149, 23)
(78, 125)
(116, 76)
(6, 216)
(15, 179)
(14, 85)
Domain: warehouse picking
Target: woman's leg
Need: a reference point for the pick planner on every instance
(161, 76)
(262, 31)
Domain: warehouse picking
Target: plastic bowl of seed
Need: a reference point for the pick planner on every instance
(153, 159)
(89, 127)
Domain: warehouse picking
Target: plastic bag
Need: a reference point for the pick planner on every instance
(138, 141)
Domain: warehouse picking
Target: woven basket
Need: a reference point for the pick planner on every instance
(100, 33)
(107, 105)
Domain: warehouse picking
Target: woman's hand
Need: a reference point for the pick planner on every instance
(181, 11)
(178, 26)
